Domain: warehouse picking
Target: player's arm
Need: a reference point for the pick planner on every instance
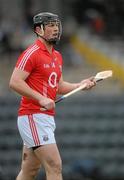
(19, 85)
(65, 87)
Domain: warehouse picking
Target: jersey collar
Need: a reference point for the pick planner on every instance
(42, 46)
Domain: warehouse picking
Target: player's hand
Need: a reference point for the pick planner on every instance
(90, 82)
(46, 104)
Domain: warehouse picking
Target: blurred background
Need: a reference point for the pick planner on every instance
(90, 124)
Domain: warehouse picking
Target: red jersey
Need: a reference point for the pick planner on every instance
(45, 71)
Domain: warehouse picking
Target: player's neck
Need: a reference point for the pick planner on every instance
(48, 45)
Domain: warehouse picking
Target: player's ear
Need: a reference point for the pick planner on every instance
(39, 30)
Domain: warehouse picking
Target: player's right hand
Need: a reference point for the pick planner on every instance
(46, 104)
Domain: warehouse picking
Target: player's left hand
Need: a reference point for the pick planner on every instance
(90, 82)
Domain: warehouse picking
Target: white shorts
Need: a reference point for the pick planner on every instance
(37, 129)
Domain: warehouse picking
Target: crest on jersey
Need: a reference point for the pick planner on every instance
(45, 138)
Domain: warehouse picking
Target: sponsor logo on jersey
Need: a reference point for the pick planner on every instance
(49, 65)
(46, 66)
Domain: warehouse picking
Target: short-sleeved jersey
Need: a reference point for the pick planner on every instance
(45, 70)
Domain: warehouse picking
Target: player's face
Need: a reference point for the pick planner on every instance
(51, 30)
